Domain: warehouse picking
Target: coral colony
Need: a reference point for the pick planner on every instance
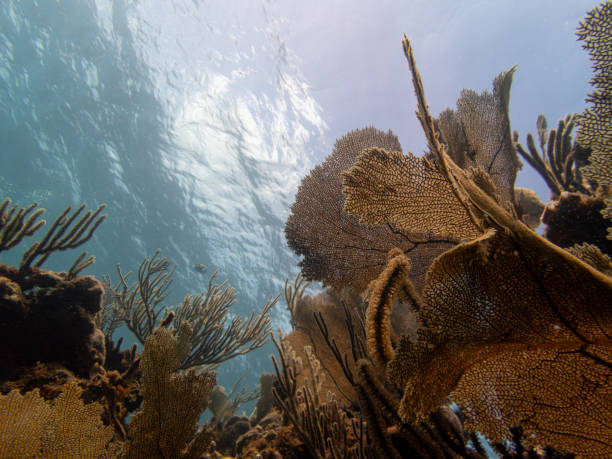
(448, 327)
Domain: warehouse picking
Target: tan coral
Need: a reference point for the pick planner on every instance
(595, 125)
(407, 191)
(478, 135)
(508, 292)
(66, 427)
(307, 333)
(337, 249)
(378, 325)
(173, 400)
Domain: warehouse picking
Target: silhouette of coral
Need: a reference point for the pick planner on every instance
(575, 214)
(65, 233)
(560, 165)
(576, 218)
(140, 306)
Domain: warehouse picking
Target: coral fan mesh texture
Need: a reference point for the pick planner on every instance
(561, 396)
(595, 124)
(410, 192)
(486, 303)
(478, 134)
(66, 427)
(337, 249)
(173, 400)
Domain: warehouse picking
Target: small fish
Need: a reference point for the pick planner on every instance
(199, 267)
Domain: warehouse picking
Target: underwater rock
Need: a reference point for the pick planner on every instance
(49, 317)
(576, 218)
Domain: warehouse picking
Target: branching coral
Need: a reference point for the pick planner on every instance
(140, 306)
(560, 165)
(17, 223)
(213, 342)
(293, 294)
(325, 429)
(69, 317)
(516, 329)
(574, 214)
(330, 325)
(65, 233)
(223, 405)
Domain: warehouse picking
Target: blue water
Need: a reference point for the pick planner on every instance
(196, 146)
(194, 121)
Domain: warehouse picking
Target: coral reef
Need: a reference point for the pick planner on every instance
(560, 165)
(318, 320)
(30, 295)
(173, 400)
(576, 218)
(478, 136)
(448, 328)
(514, 327)
(574, 214)
(56, 330)
(140, 305)
(29, 307)
(265, 402)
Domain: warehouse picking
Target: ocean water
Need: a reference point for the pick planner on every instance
(194, 121)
